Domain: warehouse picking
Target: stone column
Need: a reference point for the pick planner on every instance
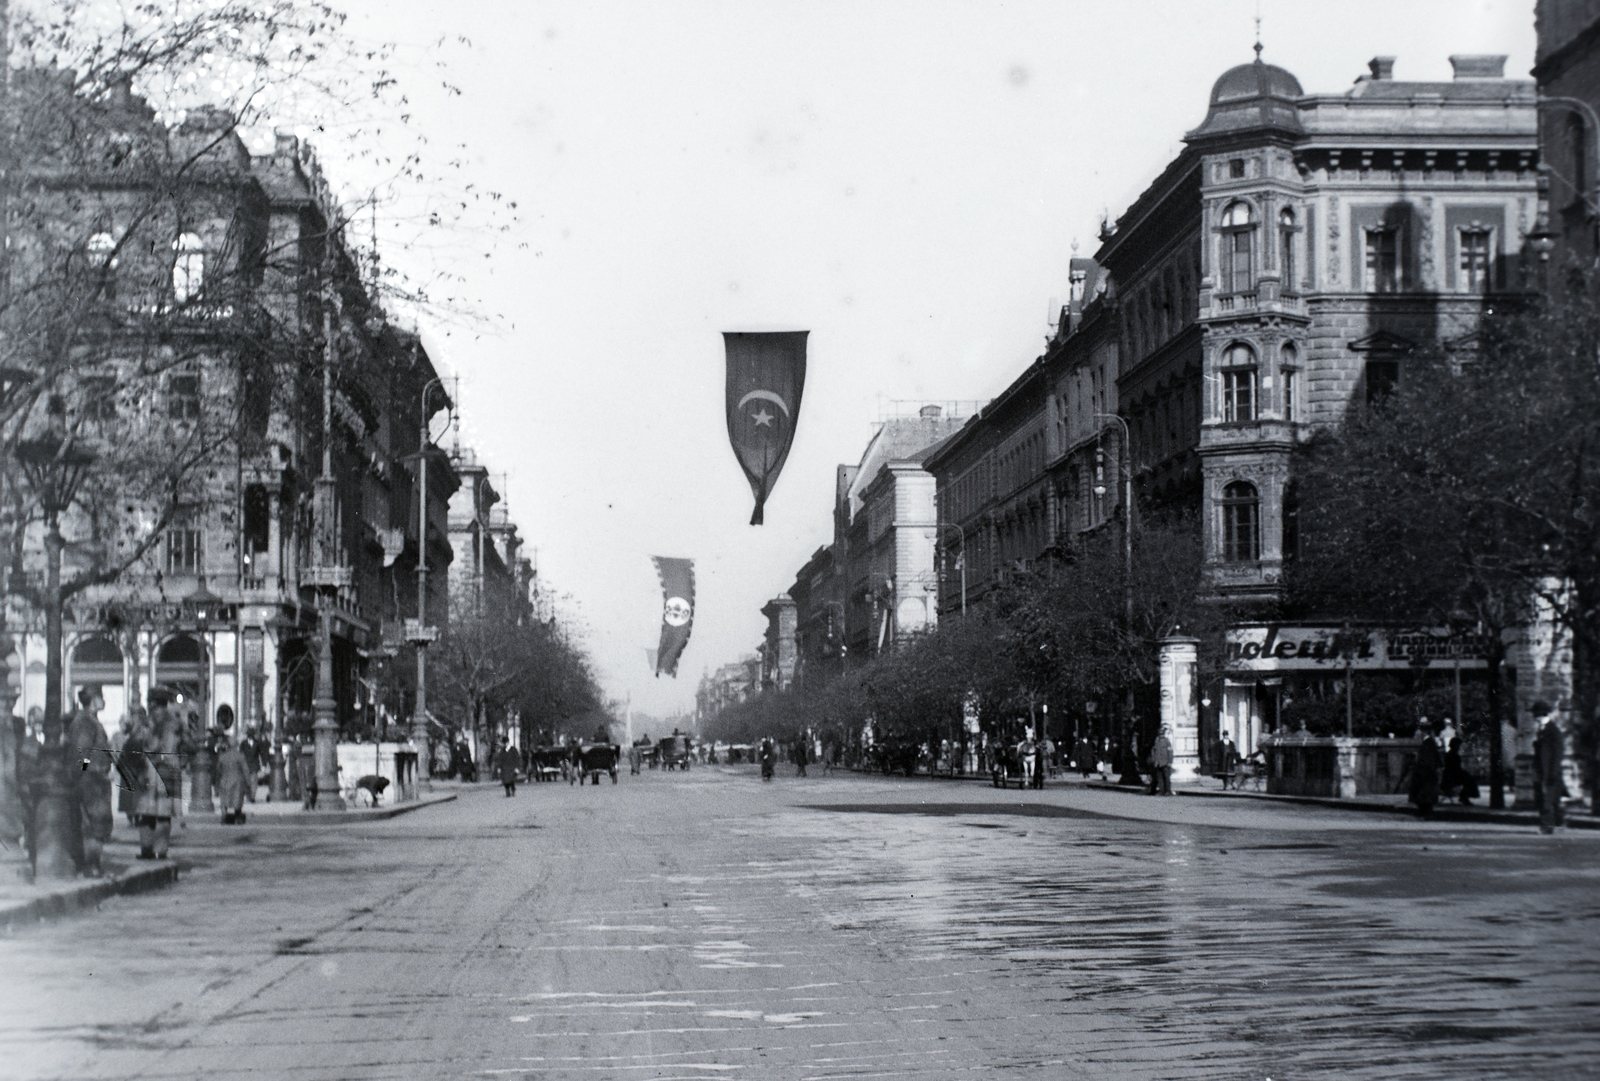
(1179, 708)
(1344, 766)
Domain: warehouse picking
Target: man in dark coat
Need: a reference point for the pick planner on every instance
(506, 761)
(89, 766)
(1161, 765)
(1549, 750)
(1425, 771)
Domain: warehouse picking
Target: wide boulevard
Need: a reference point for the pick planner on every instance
(707, 925)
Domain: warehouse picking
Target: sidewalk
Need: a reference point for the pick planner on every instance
(23, 901)
(290, 812)
(1398, 805)
(1395, 805)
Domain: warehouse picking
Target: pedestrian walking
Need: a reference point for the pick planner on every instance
(1455, 782)
(30, 772)
(305, 767)
(799, 756)
(505, 766)
(1549, 786)
(234, 780)
(1085, 756)
(160, 776)
(1228, 756)
(250, 747)
(1425, 771)
(769, 758)
(89, 764)
(127, 793)
(1161, 764)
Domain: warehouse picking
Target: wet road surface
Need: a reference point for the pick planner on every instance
(705, 925)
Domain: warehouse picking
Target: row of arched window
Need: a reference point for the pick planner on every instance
(188, 262)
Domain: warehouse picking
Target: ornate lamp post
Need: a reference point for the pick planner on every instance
(55, 465)
(418, 633)
(201, 607)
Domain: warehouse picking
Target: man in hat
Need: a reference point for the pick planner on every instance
(158, 764)
(89, 765)
(1549, 751)
(1161, 765)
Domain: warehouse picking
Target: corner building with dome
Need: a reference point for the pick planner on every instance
(1327, 236)
(1276, 276)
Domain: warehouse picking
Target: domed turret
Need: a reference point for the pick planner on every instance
(1251, 97)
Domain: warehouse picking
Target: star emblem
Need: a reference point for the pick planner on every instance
(763, 418)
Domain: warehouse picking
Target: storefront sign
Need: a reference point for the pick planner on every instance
(1277, 648)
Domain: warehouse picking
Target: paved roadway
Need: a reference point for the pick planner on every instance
(706, 925)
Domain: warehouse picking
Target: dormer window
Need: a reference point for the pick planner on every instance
(188, 267)
(1238, 236)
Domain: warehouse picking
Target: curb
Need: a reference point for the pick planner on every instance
(87, 895)
(1441, 813)
(331, 818)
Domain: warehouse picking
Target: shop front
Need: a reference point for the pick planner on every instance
(1365, 682)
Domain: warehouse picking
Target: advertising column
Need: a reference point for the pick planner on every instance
(1179, 715)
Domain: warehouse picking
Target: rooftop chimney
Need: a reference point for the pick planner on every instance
(286, 141)
(931, 411)
(1486, 66)
(1382, 67)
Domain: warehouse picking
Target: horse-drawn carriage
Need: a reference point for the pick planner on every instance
(674, 752)
(589, 760)
(1009, 764)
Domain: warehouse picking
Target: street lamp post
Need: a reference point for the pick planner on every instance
(199, 608)
(418, 633)
(961, 560)
(54, 465)
(327, 577)
(1129, 762)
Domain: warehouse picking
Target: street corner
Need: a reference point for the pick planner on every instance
(24, 903)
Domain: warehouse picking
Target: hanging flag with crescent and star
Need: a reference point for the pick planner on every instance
(766, 375)
(677, 611)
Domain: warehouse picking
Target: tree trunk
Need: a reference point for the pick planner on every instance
(53, 833)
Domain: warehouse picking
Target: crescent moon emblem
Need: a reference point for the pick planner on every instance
(765, 395)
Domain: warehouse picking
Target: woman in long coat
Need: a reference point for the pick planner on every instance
(233, 781)
(506, 762)
(1425, 775)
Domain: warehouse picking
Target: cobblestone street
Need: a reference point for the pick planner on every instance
(706, 925)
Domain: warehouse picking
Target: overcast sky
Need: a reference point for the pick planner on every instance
(904, 180)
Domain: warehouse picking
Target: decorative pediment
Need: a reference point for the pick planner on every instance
(1383, 341)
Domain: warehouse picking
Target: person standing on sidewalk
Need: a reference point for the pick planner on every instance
(1161, 764)
(1549, 750)
(234, 780)
(1425, 771)
(505, 766)
(89, 760)
(162, 747)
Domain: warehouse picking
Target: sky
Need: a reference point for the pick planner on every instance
(907, 181)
